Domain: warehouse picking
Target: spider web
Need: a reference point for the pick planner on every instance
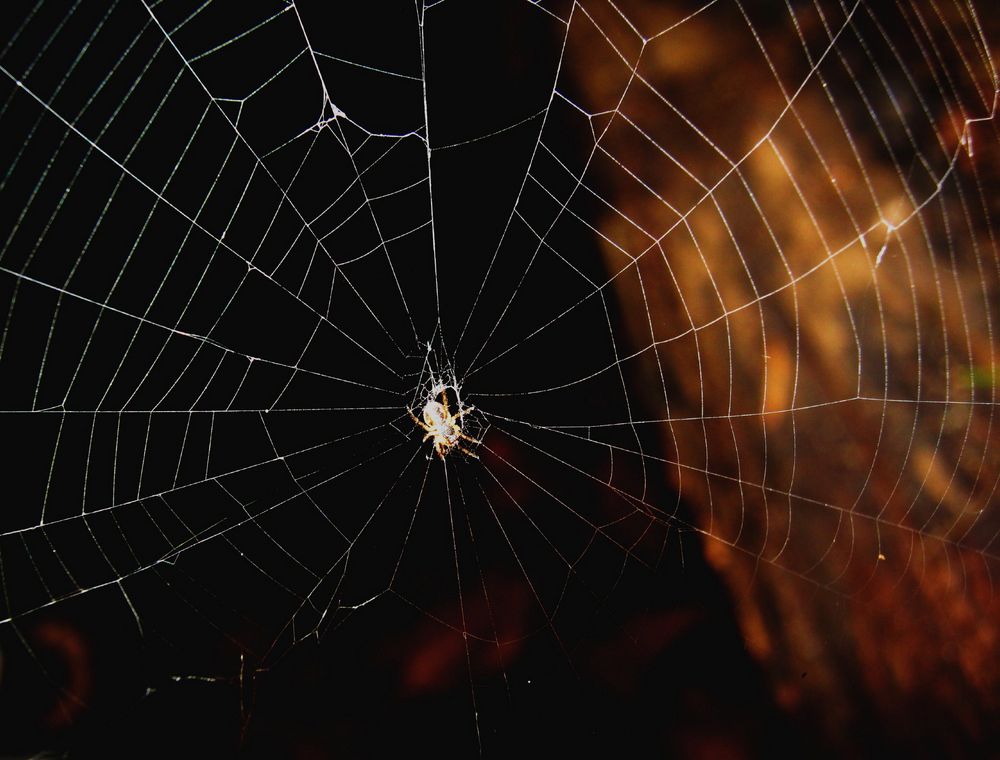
(746, 303)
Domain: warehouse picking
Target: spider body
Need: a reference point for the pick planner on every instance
(443, 427)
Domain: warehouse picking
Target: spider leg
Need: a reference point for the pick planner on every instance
(444, 403)
(466, 451)
(462, 412)
(468, 438)
(430, 434)
(414, 418)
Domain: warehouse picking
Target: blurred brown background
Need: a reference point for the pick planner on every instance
(831, 377)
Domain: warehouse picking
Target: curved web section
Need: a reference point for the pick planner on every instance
(243, 241)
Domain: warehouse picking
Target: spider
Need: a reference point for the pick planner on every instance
(442, 426)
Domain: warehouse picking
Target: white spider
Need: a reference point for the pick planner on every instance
(442, 426)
